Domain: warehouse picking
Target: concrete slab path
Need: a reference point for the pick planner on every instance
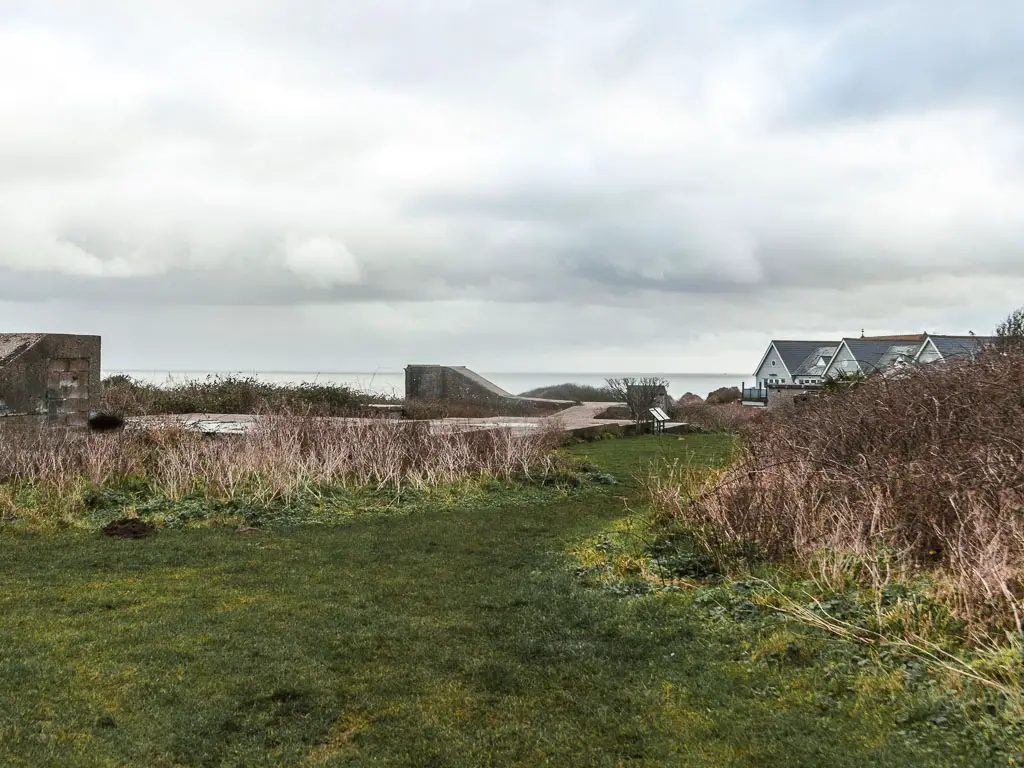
(574, 417)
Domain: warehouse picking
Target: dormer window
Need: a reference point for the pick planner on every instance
(821, 362)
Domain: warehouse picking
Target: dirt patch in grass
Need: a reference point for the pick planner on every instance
(129, 528)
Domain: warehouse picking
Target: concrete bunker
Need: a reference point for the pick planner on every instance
(453, 382)
(456, 383)
(49, 378)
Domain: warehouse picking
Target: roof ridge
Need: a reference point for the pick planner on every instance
(894, 337)
(883, 338)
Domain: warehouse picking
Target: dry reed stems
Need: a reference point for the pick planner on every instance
(725, 417)
(923, 470)
(280, 456)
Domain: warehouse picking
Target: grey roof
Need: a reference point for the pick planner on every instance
(873, 355)
(959, 346)
(810, 367)
(896, 352)
(795, 353)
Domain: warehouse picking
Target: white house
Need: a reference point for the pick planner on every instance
(811, 362)
(794, 362)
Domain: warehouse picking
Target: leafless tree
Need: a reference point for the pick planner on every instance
(639, 394)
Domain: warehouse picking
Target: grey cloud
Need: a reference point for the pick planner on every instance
(699, 165)
(902, 57)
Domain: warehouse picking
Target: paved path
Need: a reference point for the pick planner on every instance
(579, 416)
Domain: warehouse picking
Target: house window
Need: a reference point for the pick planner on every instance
(773, 363)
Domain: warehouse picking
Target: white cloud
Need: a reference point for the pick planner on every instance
(41, 252)
(321, 261)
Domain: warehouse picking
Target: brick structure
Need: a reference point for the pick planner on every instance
(49, 378)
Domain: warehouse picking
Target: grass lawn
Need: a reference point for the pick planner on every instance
(448, 635)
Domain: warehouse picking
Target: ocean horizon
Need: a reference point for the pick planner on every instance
(392, 382)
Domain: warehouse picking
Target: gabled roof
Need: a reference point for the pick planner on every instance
(899, 352)
(874, 354)
(959, 346)
(795, 353)
(810, 366)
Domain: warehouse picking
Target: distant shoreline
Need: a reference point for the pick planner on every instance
(392, 383)
(390, 371)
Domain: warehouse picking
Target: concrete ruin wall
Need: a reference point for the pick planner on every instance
(53, 378)
(445, 382)
(790, 396)
(424, 382)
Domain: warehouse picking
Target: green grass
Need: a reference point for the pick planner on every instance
(627, 459)
(458, 634)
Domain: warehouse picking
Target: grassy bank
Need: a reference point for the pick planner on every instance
(897, 652)
(887, 514)
(501, 625)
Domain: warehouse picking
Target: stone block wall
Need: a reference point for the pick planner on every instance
(790, 396)
(53, 377)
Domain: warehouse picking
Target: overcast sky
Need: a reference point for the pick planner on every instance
(522, 186)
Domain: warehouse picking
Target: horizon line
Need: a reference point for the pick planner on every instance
(121, 369)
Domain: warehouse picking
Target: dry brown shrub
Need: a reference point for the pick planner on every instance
(921, 470)
(278, 457)
(230, 393)
(727, 417)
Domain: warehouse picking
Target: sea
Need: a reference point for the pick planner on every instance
(392, 382)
